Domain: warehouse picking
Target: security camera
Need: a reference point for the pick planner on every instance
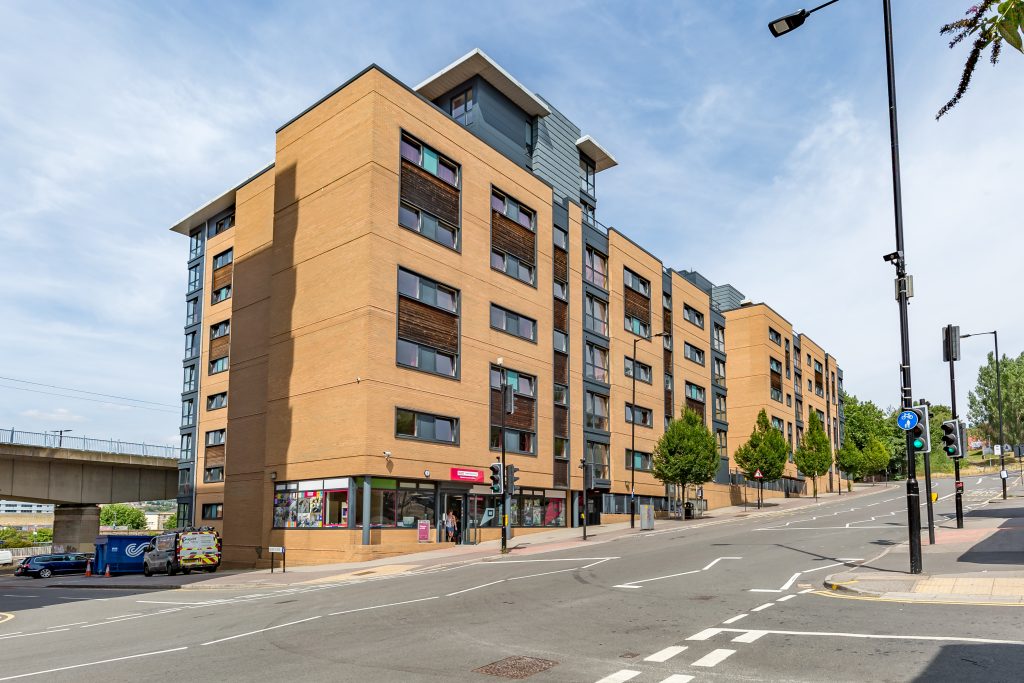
(889, 258)
(387, 454)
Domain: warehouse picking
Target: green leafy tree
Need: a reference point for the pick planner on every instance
(120, 514)
(983, 402)
(44, 535)
(686, 453)
(12, 538)
(766, 450)
(171, 523)
(864, 421)
(814, 453)
(876, 457)
(989, 24)
(852, 460)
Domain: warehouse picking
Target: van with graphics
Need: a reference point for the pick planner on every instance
(184, 551)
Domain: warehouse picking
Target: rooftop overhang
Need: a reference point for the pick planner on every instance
(212, 208)
(477, 63)
(601, 157)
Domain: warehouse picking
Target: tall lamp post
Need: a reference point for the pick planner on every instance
(904, 283)
(632, 445)
(60, 435)
(999, 400)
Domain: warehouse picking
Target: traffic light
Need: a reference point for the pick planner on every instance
(497, 478)
(511, 477)
(921, 437)
(951, 438)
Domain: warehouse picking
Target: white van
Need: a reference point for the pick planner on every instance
(6, 557)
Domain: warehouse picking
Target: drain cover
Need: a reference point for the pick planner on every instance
(516, 667)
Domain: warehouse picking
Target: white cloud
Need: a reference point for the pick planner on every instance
(57, 416)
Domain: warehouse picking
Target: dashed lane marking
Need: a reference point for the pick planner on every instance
(871, 636)
(633, 584)
(483, 585)
(77, 623)
(787, 597)
(714, 658)
(706, 633)
(103, 661)
(762, 607)
(734, 619)
(678, 678)
(390, 604)
(620, 676)
(19, 634)
(262, 630)
(666, 654)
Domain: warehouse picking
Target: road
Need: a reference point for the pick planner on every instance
(727, 600)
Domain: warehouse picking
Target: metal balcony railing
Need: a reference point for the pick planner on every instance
(82, 443)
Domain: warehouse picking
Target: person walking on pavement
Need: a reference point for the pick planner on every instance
(449, 526)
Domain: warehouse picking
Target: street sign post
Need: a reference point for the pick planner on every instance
(277, 550)
(907, 420)
(760, 486)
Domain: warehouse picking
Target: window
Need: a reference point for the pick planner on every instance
(216, 437)
(720, 407)
(217, 401)
(462, 107)
(666, 341)
(718, 340)
(789, 434)
(595, 268)
(668, 382)
(212, 475)
(521, 383)
(428, 225)
(561, 341)
(817, 367)
(774, 336)
(195, 277)
(188, 412)
(191, 347)
(511, 266)
(637, 326)
(561, 238)
(221, 329)
(186, 447)
(427, 291)
(718, 371)
(775, 366)
(429, 160)
(561, 448)
(722, 438)
(808, 360)
(694, 392)
(222, 225)
(692, 315)
(666, 301)
(639, 415)
(513, 210)
(595, 363)
(693, 353)
(595, 315)
(589, 217)
(595, 411)
(223, 258)
(213, 511)
(789, 400)
(191, 311)
(218, 365)
(516, 441)
(641, 370)
(513, 323)
(639, 461)
(189, 381)
(588, 174)
(809, 387)
(635, 282)
(561, 395)
(422, 357)
(561, 290)
(597, 458)
(221, 294)
(776, 423)
(195, 245)
(425, 427)
(776, 394)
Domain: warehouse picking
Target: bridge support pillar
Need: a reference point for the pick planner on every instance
(75, 528)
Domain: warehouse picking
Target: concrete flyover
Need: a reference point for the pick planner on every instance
(78, 474)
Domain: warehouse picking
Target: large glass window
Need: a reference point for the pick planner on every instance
(188, 412)
(595, 316)
(428, 291)
(588, 174)
(595, 268)
(218, 365)
(774, 336)
(462, 107)
(221, 294)
(693, 353)
(595, 411)
(510, 265)
(414, 425)
(223, 258)
(692, 315)
(195, 278)
(597, 457)
(221, 225)
(513, 323)
(413, 355)
(429, 160)
(192, 311)
(186, 447)
(195, 245)
(595, 364)
(189, 381)
(638, 326)
(635, 282)
(718, 340)
(216, 437)
(642, 371)
(513, 210)
(213, 475)
(639, 461)
(191, 345)
(217, 401)
(639, 415)
(720, 407)
(221, 329)
(718, 371)
(428, 225)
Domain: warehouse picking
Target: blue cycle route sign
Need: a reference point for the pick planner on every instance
(907, 420)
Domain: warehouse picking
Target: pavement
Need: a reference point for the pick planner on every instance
(982, 563)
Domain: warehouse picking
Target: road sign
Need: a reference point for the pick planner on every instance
(997, 450)
(276, 549)
(758, 475)
(907, 420)
(1003, 474)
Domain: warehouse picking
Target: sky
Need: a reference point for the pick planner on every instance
(760, 162)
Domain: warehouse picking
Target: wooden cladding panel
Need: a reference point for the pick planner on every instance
(424, 324)
(222, 276)
(669, 410)
(513, 238)
(561, 265)
(561, 321)
(214, 456)
(666, 357)
(562, 421)
(776, 380)
(219, 347)
(523, 418)
(561, 473)
(819, 379)
(697, 407)
(638, 306)
(561, 368)
(430, 193)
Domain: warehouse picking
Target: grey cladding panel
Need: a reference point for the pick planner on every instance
(555, 157)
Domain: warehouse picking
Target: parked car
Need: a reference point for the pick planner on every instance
(45, 566)
(183, 551)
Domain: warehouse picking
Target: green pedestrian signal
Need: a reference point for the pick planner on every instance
(920, 436)
(951, 438)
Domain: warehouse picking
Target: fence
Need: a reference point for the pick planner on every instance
(785, 485)
(82, 443)
(31, 550)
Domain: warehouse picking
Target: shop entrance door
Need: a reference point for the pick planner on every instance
(454, 502)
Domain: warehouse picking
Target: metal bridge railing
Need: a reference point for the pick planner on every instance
(82, 443)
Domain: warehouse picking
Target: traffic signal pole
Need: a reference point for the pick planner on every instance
(505, 500)
(952, 346)
(928, 487)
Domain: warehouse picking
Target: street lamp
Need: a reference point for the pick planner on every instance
(999, 400)
(60, 435)
(632, 446)
(904, 283)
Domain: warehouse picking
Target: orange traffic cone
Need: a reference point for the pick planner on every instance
(106, 574)
(88, 568)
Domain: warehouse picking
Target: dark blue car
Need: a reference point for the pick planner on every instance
(45, 566)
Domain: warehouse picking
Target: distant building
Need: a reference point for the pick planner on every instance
(14, 507)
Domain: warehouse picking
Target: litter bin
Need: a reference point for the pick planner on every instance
(688, 510)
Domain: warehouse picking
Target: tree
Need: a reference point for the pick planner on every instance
(876, 457)
(864, 421)
(120, 514)
(814, 453)
(983, 402)
(171, 523)
(12, 538)
(686, 453)
(852, 460)
(989, 26)
(44, 535)
(766, 450)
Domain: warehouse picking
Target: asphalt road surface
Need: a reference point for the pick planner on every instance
(728, 600)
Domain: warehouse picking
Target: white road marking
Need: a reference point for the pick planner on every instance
(714, 657)
(678, 678)
(787, 597)
(734, 619)
(978, 483)
(706, 633)
(19, 634)
(826, 528)
(466, 590)
(749, 636)
(262, 630)
(666, 654)
(876, 636)
(633, 584)
(554, 559)
(124, 616)
(620, 676)
(103, 661)
(69, 597)
(167, 602)
(390, 604)
(716, 561)
(77, 623)
(6, 595)
(761, 607)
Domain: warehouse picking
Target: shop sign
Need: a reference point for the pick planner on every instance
(465, 474)
(423, 531)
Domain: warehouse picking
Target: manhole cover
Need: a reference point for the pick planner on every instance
(516, 667)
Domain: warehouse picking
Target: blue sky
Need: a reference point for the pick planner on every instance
(761, 162)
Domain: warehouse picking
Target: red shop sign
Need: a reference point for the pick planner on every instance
(464, 474)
